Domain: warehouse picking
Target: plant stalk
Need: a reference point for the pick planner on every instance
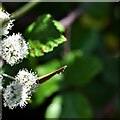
(8, 76)
(20, 12)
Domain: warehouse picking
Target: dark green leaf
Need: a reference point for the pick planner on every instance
(98, 10)
(84, 38)
(75, 105)
(82, 70)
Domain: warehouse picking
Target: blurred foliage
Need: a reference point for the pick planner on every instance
(54, 109)
(86, 69)
(90, 82)
(75, 105)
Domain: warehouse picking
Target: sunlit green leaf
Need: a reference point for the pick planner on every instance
(39, 49)
(54, 109)
(59, 26)
(44, 35)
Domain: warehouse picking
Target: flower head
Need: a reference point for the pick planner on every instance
(6, 22)
(14, 49)
(19, 91)
(26, 78)
(15, 95)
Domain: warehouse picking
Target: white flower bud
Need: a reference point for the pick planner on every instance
(19, 91)
(15, 95)
(14, 49)
(5, 27)
(26, 78)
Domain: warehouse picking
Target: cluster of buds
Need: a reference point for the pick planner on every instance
(13, 48)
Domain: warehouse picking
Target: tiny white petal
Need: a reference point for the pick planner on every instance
(5, 16)
(27, 78)
(14, 49)
(15, 95)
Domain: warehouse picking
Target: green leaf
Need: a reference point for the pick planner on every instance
(98, 10)
(111, 71)
(39, 49)
(87, 40)
(54, 109)
(82, 70)
(98, 101)
(75, 105)
(44, 35)
(59, 26)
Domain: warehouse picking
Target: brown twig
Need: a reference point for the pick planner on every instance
(67, 22)
(67, 45)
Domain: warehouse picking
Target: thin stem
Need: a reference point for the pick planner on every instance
(70, 18)
(8, 76)
(1, 62)
(67, 44)
(18, 13)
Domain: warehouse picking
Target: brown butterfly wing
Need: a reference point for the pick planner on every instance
(44, 78)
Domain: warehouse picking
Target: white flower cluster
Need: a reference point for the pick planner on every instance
(26, 78)
(13, 48)
(19, 91)
(6, 21)
(15, 94)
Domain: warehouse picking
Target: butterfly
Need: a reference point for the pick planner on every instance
(44, 78)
